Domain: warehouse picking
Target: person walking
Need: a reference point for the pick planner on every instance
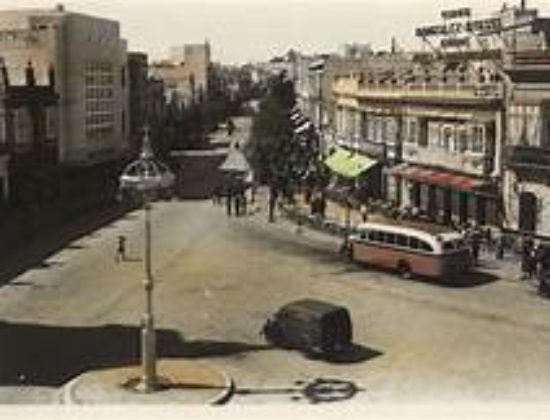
(364, 212)
(501, 245)
(475, 243)
(121, 249)
(527, 259)
(228, 201)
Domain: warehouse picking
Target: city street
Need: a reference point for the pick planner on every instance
(216, 281)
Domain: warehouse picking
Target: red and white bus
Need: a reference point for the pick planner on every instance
(411, 249)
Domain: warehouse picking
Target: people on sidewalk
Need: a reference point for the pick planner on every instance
(121, 249)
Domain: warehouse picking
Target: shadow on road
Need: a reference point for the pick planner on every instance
(34, 253)
(209, 348)
(473, 278)
(49, 355)
(356, 353)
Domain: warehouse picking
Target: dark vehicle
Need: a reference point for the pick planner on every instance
(317, 328)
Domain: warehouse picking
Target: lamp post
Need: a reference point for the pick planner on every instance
(145, 176)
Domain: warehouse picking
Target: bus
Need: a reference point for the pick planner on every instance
(411, 249)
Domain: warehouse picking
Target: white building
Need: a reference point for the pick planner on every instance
(88, 59)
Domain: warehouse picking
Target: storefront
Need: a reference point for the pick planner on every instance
(353, 170)
(446, 197)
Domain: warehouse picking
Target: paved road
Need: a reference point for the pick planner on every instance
(218, 278)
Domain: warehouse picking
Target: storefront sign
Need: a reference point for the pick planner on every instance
(455, 28)
(464, 12)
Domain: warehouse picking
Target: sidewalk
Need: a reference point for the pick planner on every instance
(334, 223)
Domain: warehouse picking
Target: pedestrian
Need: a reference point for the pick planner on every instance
(364, 212)
(216, 195)
(228, 201)
(243, 202)
(489, 242)
(527, 259)
(501, 244)
(238, 202)
(540, 257)
(121, 249)
(474, 244)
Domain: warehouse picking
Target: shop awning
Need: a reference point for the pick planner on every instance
(437, 177)
(348, 164)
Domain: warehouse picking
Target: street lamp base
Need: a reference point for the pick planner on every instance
(142, 385)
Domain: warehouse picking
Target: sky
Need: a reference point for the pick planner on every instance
(241, 31)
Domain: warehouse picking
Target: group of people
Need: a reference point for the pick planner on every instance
(535, 258)
(235, 200)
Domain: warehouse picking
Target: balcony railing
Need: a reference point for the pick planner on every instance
(527, 157)
(419, 90)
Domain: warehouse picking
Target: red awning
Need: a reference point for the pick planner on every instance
(437, 177)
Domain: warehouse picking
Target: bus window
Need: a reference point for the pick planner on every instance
(363, 235)
(390, 238)
(425, 246)
(402, 240)
(373, 236)
(414, 243)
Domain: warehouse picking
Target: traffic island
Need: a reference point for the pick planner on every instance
(178, 382)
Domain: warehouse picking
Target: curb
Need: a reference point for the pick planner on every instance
(67, 394)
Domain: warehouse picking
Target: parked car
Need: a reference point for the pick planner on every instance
(317, 328)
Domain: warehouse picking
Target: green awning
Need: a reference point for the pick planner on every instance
(349, 164)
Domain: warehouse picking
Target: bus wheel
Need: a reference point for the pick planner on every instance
(404, 269)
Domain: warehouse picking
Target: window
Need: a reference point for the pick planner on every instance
(478, 134)
(447, 138)
(402, 240)
(422, 133)
(373, 236)
(425, 246)
(434, 134)
(462, 140)
(413, 131)
(390, 238)
(414, 243)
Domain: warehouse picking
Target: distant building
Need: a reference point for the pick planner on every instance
(185, 73)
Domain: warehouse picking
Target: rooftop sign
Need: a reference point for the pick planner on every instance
(479, 27)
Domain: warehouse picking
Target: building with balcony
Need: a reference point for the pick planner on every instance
(526, 181)
(456, 125)
(88, 59)
(28, 138)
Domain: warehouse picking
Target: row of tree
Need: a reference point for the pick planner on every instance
(280, 158)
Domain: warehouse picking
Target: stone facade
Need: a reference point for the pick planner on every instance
(185, 73)
(88, 58)
(462, 135)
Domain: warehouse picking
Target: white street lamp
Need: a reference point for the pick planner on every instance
(146, 175)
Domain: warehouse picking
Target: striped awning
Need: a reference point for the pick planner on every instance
(437, 177)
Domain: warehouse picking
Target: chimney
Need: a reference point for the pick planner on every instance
(523, 5)
(60, 7)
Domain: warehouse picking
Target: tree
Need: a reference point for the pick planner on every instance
(271, 147)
